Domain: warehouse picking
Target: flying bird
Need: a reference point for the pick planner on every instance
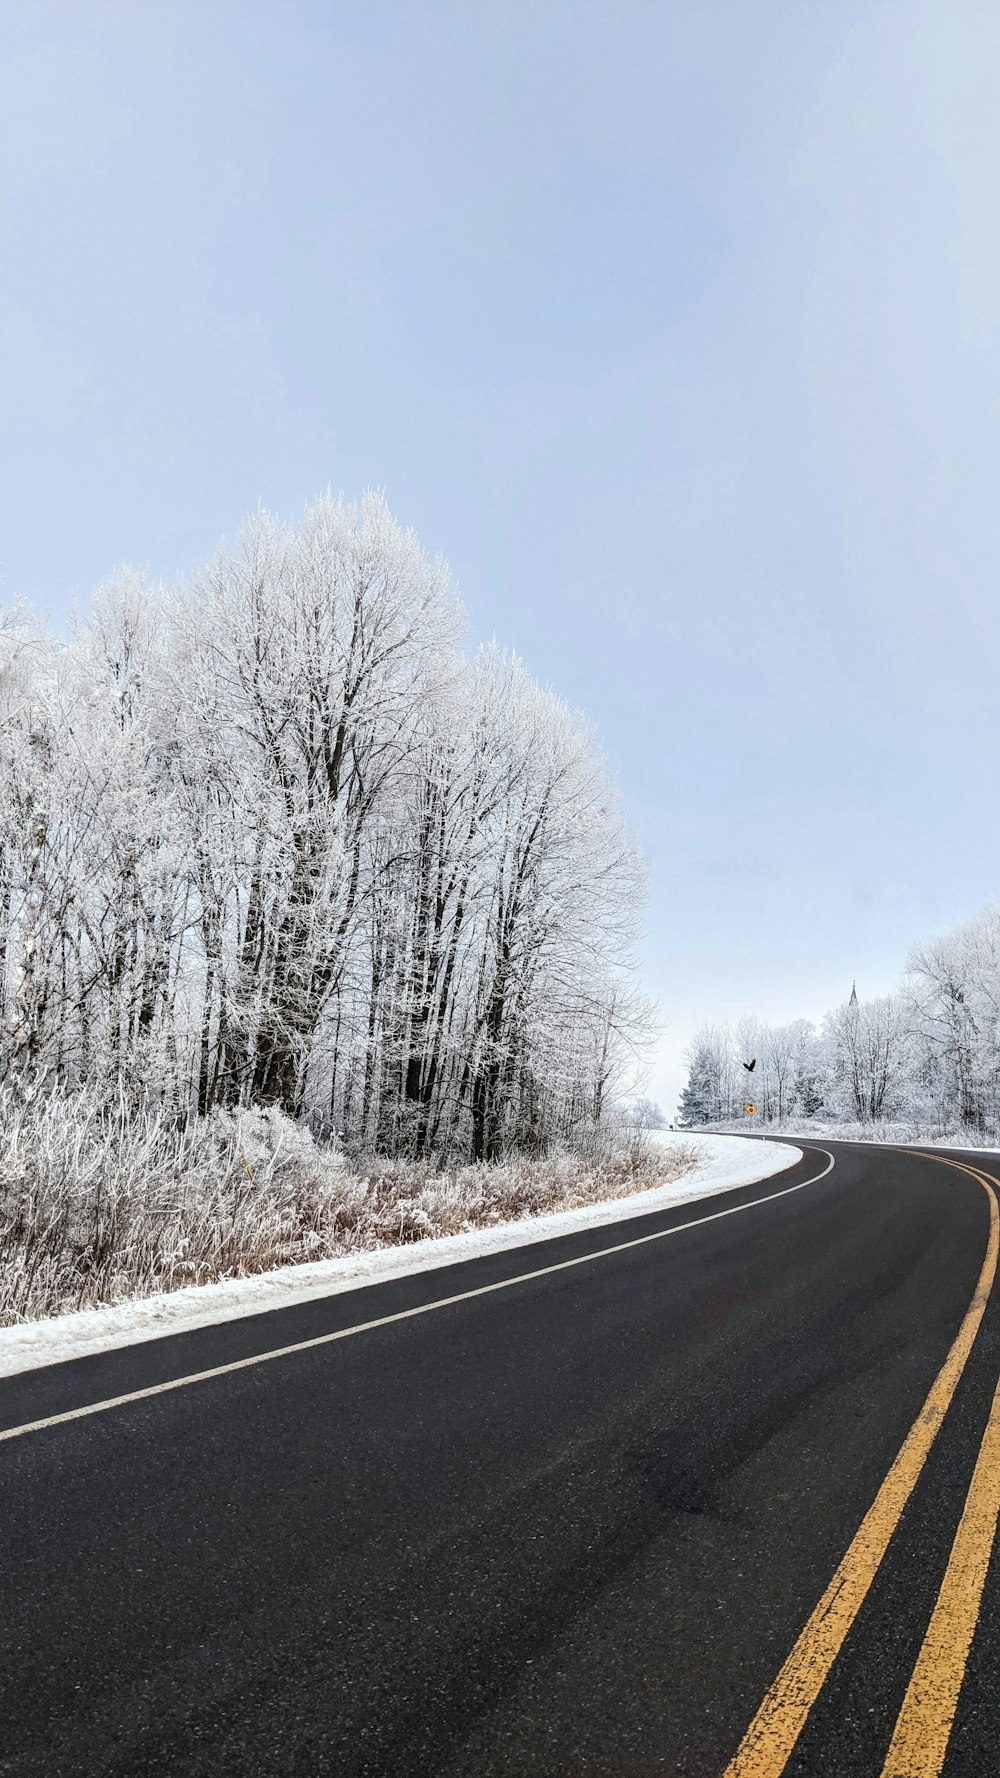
(750, 1066)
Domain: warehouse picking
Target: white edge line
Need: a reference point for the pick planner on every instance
(445, 1302)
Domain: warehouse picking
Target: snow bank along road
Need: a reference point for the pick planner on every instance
(710, 1491)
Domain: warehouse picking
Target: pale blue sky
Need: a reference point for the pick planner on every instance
(675, 327)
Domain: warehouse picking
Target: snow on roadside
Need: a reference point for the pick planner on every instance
(725, 1162)
(889, 1135)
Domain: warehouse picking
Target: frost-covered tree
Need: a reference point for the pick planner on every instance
(871, 1051)
(712, 1091)
(954, 996)
(267, 837)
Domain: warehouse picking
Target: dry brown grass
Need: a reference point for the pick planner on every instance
(101, 1204)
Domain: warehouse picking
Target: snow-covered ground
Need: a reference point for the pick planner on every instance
(893, 1135)
(725, 1162)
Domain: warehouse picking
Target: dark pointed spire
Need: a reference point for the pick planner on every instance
(854, 995)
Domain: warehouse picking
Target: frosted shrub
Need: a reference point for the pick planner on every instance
(99, 1203)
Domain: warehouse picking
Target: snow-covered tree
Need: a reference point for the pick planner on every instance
(870, 1046)
(267, 837)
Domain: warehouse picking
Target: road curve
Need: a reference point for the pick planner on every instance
(574, 1525)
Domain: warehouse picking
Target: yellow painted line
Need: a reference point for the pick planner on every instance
(444, 1302)
(920, 1740)
(768, 1742)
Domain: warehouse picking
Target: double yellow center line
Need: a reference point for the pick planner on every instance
(921, 1736)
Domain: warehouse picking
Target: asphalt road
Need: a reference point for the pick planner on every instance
(572, 1526)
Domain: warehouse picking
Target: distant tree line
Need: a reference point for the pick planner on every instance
(927, 1054)
(269, 838)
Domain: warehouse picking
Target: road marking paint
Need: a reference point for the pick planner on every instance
(922, 1732)
(768, 1742)
(346, 1333)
